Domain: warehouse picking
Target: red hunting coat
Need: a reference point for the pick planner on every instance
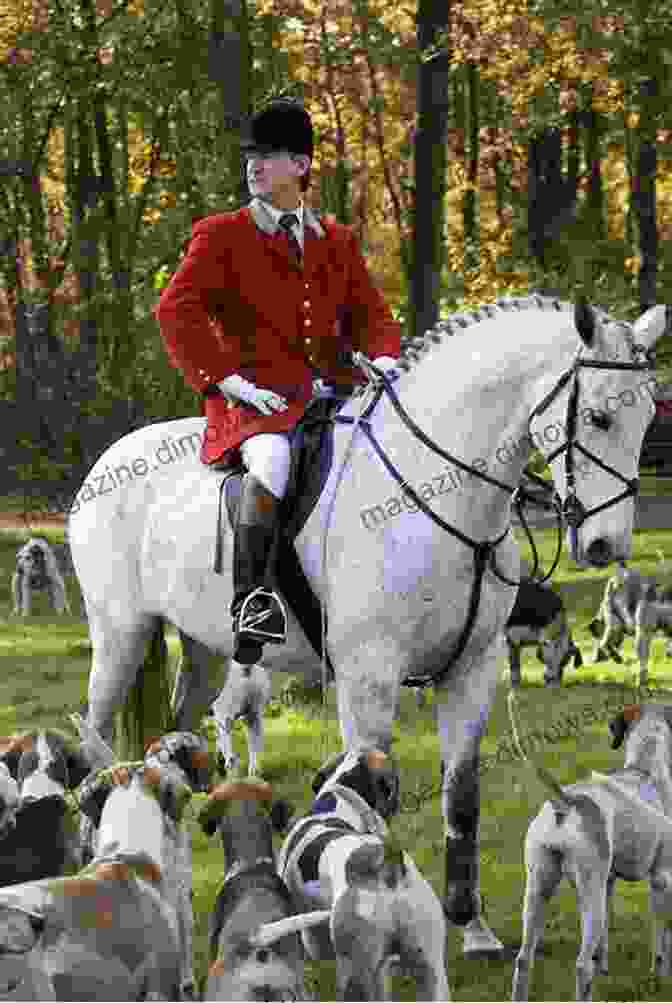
(239, 304)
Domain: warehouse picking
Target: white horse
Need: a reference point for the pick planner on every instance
(403, 593)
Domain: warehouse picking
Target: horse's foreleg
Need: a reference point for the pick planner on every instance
(462, 713)
(194, 689)
(367, 694)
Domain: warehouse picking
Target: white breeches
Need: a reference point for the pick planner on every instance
(267, 457)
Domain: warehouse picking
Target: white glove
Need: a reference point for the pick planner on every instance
(265, 401)
(387, 364)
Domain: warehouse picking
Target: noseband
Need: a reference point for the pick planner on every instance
(573, 510)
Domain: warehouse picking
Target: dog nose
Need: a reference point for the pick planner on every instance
(599, 552)
(263, 955)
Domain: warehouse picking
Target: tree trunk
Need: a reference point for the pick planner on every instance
(229, 65)
(551, 195)
(595, 198)
(574, 150)
(430, 167)
(86, 254)
(630, 222)
(501, 185)
(338, 186)
(469, 207)
(376, 113)
(646, 194)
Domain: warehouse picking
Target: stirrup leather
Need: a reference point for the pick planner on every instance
(262, 617)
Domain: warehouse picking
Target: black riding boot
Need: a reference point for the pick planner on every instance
(258, 613)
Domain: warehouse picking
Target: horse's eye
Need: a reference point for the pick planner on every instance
(601, 420)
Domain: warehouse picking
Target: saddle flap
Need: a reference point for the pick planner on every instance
(312, 446)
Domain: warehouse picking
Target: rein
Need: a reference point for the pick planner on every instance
(571, 510)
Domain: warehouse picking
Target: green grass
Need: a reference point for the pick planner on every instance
(45, 664)
(650, 484)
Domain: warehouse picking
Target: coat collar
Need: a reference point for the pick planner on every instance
(266, 223)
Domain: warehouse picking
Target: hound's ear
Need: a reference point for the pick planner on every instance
(618, 727)
(584, 321)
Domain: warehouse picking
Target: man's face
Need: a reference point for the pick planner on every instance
(270, 175)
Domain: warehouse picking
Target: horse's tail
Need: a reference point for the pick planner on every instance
(147, 713)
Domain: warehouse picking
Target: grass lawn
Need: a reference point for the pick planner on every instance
(650, 484)
(46, 663)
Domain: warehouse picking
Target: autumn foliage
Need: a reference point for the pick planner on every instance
(355, 64)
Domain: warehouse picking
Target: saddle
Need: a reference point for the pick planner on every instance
(312, 449)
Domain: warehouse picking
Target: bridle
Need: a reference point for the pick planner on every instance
(571, 510)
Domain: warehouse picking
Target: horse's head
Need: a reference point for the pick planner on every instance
(604, 403)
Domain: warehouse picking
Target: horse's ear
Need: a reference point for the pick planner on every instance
(584, 321)
(652, 324)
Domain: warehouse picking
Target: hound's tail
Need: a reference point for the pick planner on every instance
(376, 861)
(268, 933)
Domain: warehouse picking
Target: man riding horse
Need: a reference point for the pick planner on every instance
(261, 309)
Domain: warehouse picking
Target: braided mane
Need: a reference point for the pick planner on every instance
(415, 348)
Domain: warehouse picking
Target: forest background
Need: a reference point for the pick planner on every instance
(478, 148)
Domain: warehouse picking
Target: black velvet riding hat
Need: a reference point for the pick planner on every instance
(282, 124)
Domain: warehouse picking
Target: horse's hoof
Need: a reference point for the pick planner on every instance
(480, 940)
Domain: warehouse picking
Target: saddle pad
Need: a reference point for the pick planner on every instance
(312, 450)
